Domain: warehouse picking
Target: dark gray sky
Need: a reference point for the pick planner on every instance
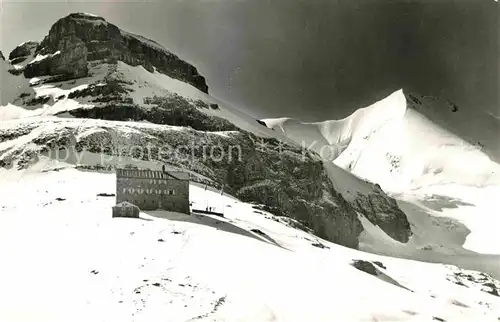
(311, 59)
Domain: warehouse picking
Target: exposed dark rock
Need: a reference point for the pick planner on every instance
(38, 100)
(169, 110)
(18, 60)
(105, 194)
(482, 281)
(81, 38)
(272, 179)
(371, 269)
(68, 61)
(492, 289)
(365, 266)
(460, 304)
(197, 103)
(21, 52)
(16, 72)
(379, 264)
(320, 245)
(273, 210)
(258, 231)
(414, 99)
(261, 123)
(1, 56)
(383, 211)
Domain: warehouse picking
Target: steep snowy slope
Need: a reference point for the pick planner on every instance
(407, 149)
(476, 126)
(446, 185)
(66, 259)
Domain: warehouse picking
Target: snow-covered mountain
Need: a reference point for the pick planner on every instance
(406, 141)
(435, 171)
(90, 97)
(87, 68)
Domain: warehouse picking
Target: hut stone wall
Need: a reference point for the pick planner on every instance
(152, 190)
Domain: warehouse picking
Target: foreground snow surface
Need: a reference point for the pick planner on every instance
(65, 259)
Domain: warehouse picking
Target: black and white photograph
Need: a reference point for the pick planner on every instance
(249, 160)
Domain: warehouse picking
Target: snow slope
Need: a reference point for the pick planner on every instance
(146, 84)
(65, 259)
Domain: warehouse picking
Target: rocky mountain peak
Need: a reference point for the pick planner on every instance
(87, 16)
(79, 38)
(22, 52)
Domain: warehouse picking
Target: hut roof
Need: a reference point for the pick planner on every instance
(144, 173)
(125, 204)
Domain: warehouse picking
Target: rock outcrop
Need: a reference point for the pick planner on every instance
(1, 56)
(383, 211)
(81, 38)
(169, 110)
(22, 52)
